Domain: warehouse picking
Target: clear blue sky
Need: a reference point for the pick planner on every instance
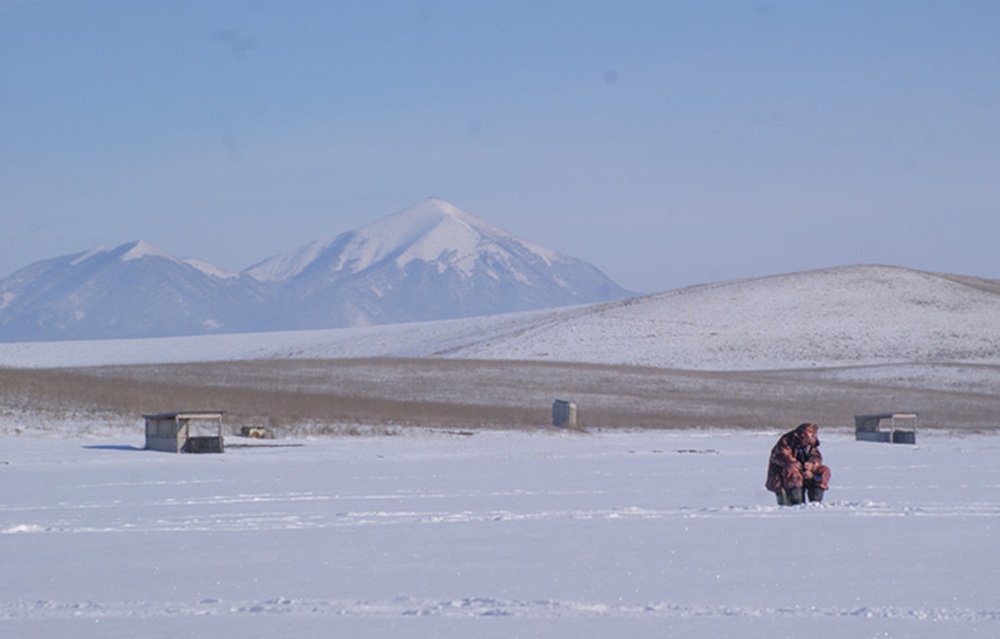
(667, 143)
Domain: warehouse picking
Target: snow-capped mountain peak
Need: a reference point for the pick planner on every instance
(430, 231)
(140, 249)
(426, 231)
(83, 257)
(284, 267)
(211, 269)
(429, 261)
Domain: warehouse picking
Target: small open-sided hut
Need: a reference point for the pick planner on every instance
(185, 432)
(897, 428)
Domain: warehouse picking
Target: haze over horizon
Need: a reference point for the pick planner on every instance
(667, 144)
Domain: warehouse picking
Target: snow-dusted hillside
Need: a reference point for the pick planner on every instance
(831, 317)
(839, 317)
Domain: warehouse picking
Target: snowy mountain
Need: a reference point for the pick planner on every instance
(133, 290)
(430, 261)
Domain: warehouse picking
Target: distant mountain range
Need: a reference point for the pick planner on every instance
(431, 261)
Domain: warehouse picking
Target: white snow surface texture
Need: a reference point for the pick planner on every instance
(494, 535)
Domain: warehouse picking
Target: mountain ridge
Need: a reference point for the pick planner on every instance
(428, 261)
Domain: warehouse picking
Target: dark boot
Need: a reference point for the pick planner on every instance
(789, 496)
(816, 494)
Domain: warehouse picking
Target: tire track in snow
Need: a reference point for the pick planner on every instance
(276, 519)
(467, 607)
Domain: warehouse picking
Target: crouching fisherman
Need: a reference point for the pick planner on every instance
(796, 471)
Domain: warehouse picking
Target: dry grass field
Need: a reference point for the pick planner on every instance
(300, 397)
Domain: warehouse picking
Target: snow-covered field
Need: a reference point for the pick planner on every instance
(497, 534)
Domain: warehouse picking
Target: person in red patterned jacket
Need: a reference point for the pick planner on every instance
(796, 470)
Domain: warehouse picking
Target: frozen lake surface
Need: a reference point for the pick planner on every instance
(497, 534)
